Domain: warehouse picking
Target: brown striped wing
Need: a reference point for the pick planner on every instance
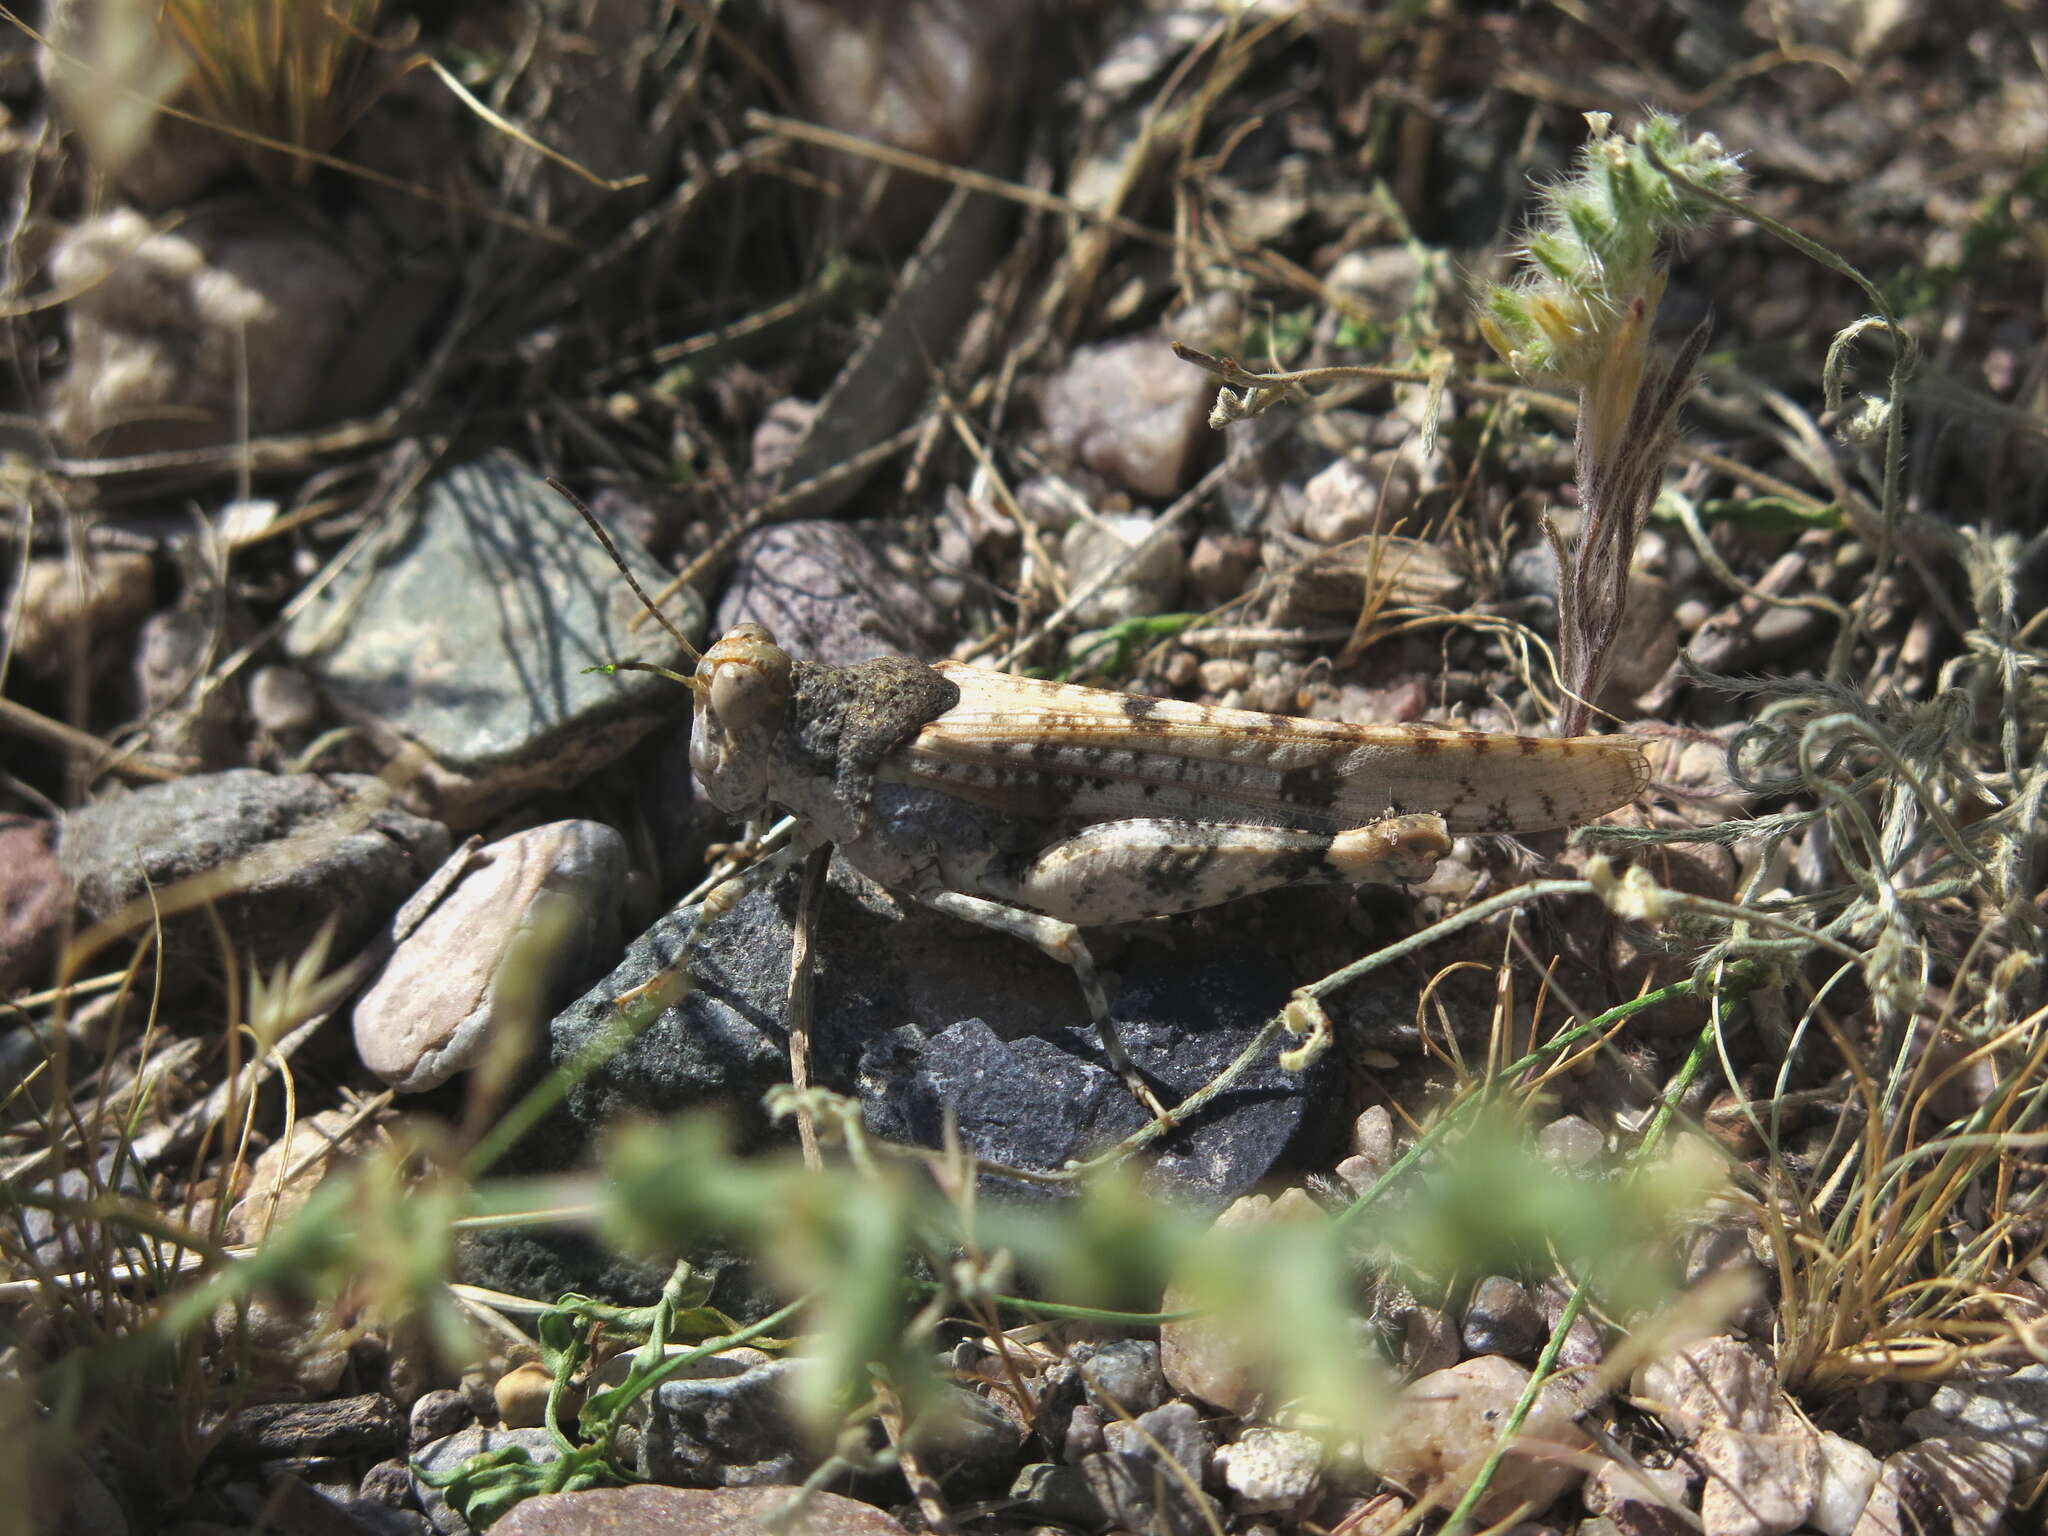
(1050, 750)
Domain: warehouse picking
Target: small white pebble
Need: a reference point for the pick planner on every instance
(1272, 1470)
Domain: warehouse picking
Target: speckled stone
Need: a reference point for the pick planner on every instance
(467, 633)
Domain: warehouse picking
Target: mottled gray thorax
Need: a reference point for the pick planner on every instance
(842, 721)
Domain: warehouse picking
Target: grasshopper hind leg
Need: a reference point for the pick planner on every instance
(1059, 941)
(1113, 871)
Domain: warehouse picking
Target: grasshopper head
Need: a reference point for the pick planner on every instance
(745, 684)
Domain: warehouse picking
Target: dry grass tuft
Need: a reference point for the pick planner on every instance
(293, 73)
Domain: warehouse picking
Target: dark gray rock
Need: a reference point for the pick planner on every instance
(826, 596)
(1429, 1340)
(1024, 1103)
(1139, 1491)
(365, 1425)
(1582, 1351)
(1531, 576)
(388, 1483)
(1501, 1318)
(543, 1265)
(971, 1444)
(1058, 1393)
(67, 1494)
(722, 1042)
(1082, 1436)
(314, 847)
(680, 823)
(190, 722)
(1038, 1103)
(469, 632)
(374, 1519)
(1045, 1490)
(290, 1504)
(998, 1035)
(726, 1431)
(1121, 1377)
(1725, 1249)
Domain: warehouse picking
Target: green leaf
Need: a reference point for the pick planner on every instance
(1119, 640)
(1770, 514)
(484, 1488)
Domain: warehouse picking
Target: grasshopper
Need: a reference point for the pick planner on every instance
(1039, 808)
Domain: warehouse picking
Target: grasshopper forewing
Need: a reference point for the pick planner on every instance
(1055, 750)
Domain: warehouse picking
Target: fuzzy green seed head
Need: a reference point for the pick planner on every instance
(1594, 250)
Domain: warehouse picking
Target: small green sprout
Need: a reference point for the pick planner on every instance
(1594, 271)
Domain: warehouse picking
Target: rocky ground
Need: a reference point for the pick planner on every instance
(1688, 1167)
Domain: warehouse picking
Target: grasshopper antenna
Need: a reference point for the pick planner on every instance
(690, 652)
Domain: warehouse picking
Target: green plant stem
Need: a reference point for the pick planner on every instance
(1905, 355)
(1061, 1309)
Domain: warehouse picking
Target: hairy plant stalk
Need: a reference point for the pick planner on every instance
(1628, 426)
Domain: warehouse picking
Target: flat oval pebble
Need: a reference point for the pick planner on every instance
(430, 1014)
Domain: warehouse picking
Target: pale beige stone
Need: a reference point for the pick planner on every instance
(1271, 1470)
(172, 329)
(1719, 1380)
(1199, 1356)
(522, 1396)
(1848, 1473)
(285, 1174)
(655, 1511)
(1133, 411)
(1758, 1484)
(1441, 1429)
(435, 1009)
(92, 603)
